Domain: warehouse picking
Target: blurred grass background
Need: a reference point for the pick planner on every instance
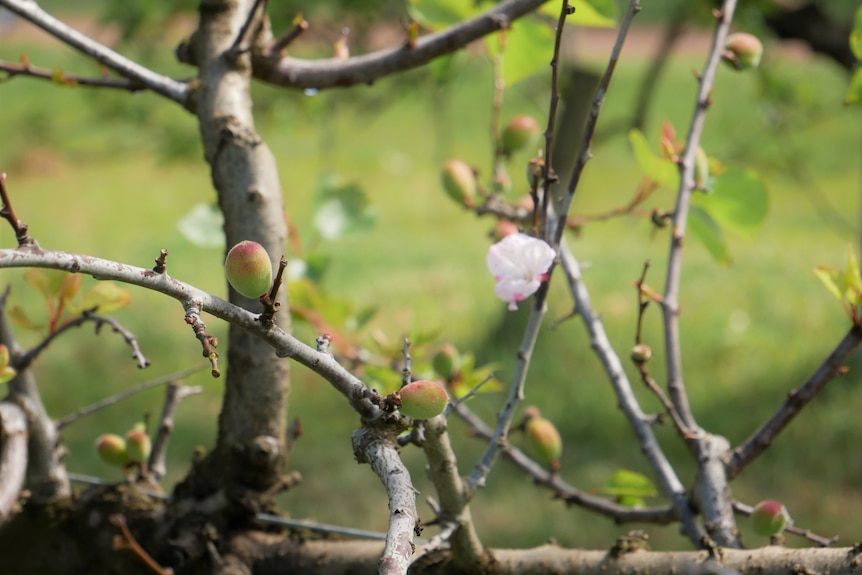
(109, 174)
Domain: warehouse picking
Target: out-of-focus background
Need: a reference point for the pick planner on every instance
(111, 174)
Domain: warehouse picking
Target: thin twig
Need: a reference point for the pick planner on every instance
(761, 439)
(746, 510)
(26, 359)
(8, 214)
(168, 87)
(299, 26)
(108, 401)
(70, 80)
(174, 393)
(242, 43)
(127, 541)
(208, 342)
(407, 370)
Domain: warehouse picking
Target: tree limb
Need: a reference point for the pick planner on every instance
(13, 456)
(365, 69)
(168, 87)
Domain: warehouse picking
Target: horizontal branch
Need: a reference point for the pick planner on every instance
(285, 345)
(30, 11)
(367, 68)
(761, 439)
(12, 70)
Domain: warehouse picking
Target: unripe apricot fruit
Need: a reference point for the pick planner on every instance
(423, 399)
(459, 181)
(447, 361)
(769, 518)
(543, 437)
(249, 269)
(112, 449)
(743, 50)
(520, 132)
(138, 446)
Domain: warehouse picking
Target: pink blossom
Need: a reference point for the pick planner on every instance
(519, 263)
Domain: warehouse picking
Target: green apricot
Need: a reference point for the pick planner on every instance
(542, 436)
(112, 449)
(249, 269)
(769, 518)
(459, 181)
(423, 399)
(743, 50)
(138, 446)
(520, 132)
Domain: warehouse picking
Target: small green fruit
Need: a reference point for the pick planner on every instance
(769, 518)
(423, 399)
(742, 51)
(138, 446)
(543, 438)
(447, 361)
(520, 132)
(248, 269)
(459, 181)
(112, 449)
(701, 168)
(641, 353)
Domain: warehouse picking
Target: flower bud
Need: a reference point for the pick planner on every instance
(249, 269)
(423, 399)
(641, 353)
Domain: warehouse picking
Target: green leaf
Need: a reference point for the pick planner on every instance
(529, 47)
(656, 168)
(472, 376)
(203, 226)
(852, 280)
(105, 297)
(20, 318)
(341, 209)
(830, 277)
(738, 201)
(854, 92)
(706, 231)
(590, 13)
(856, 35)
(384, 379)
(437, 14)
(70, 287)
(628, 483)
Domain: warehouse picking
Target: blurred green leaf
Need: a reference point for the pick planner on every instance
(656, 168)
(471, 376)
(528, 49)
(20, 318)
(316, 265)
(854, 92)
(105, 297)
(341, 209)
(590, 13)
(830, 277)
(384, 379)
(738, 200)
(437, 14)
(203, 226)
(628, 483)
(69, 288)
(852, 281)
(707, 232)
(856, 35)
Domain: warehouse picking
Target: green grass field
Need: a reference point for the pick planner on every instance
(109, 174)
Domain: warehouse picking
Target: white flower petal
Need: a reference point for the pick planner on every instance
(518, 263)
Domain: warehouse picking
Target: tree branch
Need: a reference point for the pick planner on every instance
(30, 11)
(713, 493)
(174, 393)
(761, 439)
(381, 452)
(29, 71)
(365, 69)
(46, 474)
(13, 456)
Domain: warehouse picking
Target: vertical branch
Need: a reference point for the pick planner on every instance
(46, 475)
(13, 456)
(711, 491)
(174, 393)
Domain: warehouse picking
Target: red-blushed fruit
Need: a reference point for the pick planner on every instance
(504, 228)
(543, 438)
(769, 518)
(423, 399)
(138, 446)
(112, 449)
(459, 181)
(447, 361)
(742, 50)
(520, 132)
(249, 269)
